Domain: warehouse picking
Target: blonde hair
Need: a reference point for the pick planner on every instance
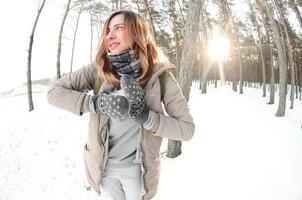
(144, 46)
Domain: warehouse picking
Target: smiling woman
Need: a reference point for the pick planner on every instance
(122, 152)
(219, 47)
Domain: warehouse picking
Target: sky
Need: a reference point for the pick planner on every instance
(16, 20)
(239, 151)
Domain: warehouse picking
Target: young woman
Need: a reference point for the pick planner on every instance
(127, 120)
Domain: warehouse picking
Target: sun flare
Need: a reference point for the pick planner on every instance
(218, 47)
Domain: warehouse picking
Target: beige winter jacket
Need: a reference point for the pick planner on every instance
(69, 92)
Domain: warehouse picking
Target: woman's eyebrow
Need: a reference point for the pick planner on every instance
(118, 24)
(115, 25)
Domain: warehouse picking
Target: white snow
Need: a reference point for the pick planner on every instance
(240, 150)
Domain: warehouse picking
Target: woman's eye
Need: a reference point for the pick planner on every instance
(119, 28)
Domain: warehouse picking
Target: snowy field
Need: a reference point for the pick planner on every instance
(240, 150)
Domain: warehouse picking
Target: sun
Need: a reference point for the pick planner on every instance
(218, 47)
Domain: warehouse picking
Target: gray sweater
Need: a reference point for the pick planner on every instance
(123, 142)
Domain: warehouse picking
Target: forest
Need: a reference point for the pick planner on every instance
(245, 43)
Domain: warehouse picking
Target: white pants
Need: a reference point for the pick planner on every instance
(122, 183)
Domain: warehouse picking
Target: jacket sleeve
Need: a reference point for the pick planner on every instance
(68, 92)
(179, 124)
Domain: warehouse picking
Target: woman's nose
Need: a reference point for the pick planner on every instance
(110, 35)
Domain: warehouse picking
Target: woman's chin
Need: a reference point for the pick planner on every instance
(118, 51)
(115, 51)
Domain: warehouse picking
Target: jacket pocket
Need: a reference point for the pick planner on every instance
(151, 144)
(86, 147)
(93, 160)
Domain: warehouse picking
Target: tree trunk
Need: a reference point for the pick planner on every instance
(299, 74)
(117, 4)
(282, 63)
(230, 29)
(31, 41)
(147, 7)
(206, 65)
(272, 82)
(290, 52)
(292, 77)
(237, 47)
(271, 60)
(60, 40)
(261, 50)
(296, 77)
(74, 36)
(187, 61)
(216, 75)
(176, 36)
(91, 35)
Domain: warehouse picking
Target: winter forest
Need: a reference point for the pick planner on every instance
(243, 49)
(208, 42)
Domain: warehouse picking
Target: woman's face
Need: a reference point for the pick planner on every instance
(117, 39)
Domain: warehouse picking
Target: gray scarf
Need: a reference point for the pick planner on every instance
(125, 63)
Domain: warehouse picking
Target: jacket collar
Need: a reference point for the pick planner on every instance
(159, 68)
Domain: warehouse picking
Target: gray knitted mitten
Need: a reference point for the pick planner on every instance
(113, 105)
(138, 110)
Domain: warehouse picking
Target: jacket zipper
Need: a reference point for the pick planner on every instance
(104, 144)
(143, 162)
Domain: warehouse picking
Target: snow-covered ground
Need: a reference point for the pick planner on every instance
(240, 150)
